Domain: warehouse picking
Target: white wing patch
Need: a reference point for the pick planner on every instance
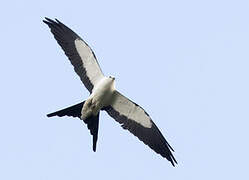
(93, 71)
(133, 118)
(132, 111)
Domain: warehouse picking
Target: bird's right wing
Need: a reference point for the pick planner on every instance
(79, 53)
(138, 122)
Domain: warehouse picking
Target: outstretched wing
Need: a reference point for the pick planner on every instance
(79, 53)
(138, 122)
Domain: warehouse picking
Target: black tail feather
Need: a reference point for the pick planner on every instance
(74, 111)
(93, 125)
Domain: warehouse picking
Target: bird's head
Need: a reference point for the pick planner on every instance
(112, 77)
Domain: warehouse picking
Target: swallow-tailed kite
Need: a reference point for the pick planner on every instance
(104, 96)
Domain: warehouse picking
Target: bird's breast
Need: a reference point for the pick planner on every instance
(102, 93)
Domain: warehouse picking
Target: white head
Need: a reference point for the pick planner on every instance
(112, 81)
(112, 77)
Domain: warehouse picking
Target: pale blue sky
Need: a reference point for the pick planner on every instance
(185, 62)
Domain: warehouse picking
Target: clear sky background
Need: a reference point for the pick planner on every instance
(185, 62)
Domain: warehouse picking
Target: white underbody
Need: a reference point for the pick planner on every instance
(100, 97)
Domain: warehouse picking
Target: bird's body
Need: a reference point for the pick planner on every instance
(100, 97)
(104, 96)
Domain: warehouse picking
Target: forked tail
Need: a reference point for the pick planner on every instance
(75, 111)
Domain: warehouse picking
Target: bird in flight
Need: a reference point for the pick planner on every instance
(104, 96)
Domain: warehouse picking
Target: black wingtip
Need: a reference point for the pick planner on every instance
(57, 21)
(173, 160)
(170, 146)
(49, 21)
(46, 22)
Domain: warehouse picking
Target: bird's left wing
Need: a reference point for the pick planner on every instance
(138, 122)
(78, 52)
